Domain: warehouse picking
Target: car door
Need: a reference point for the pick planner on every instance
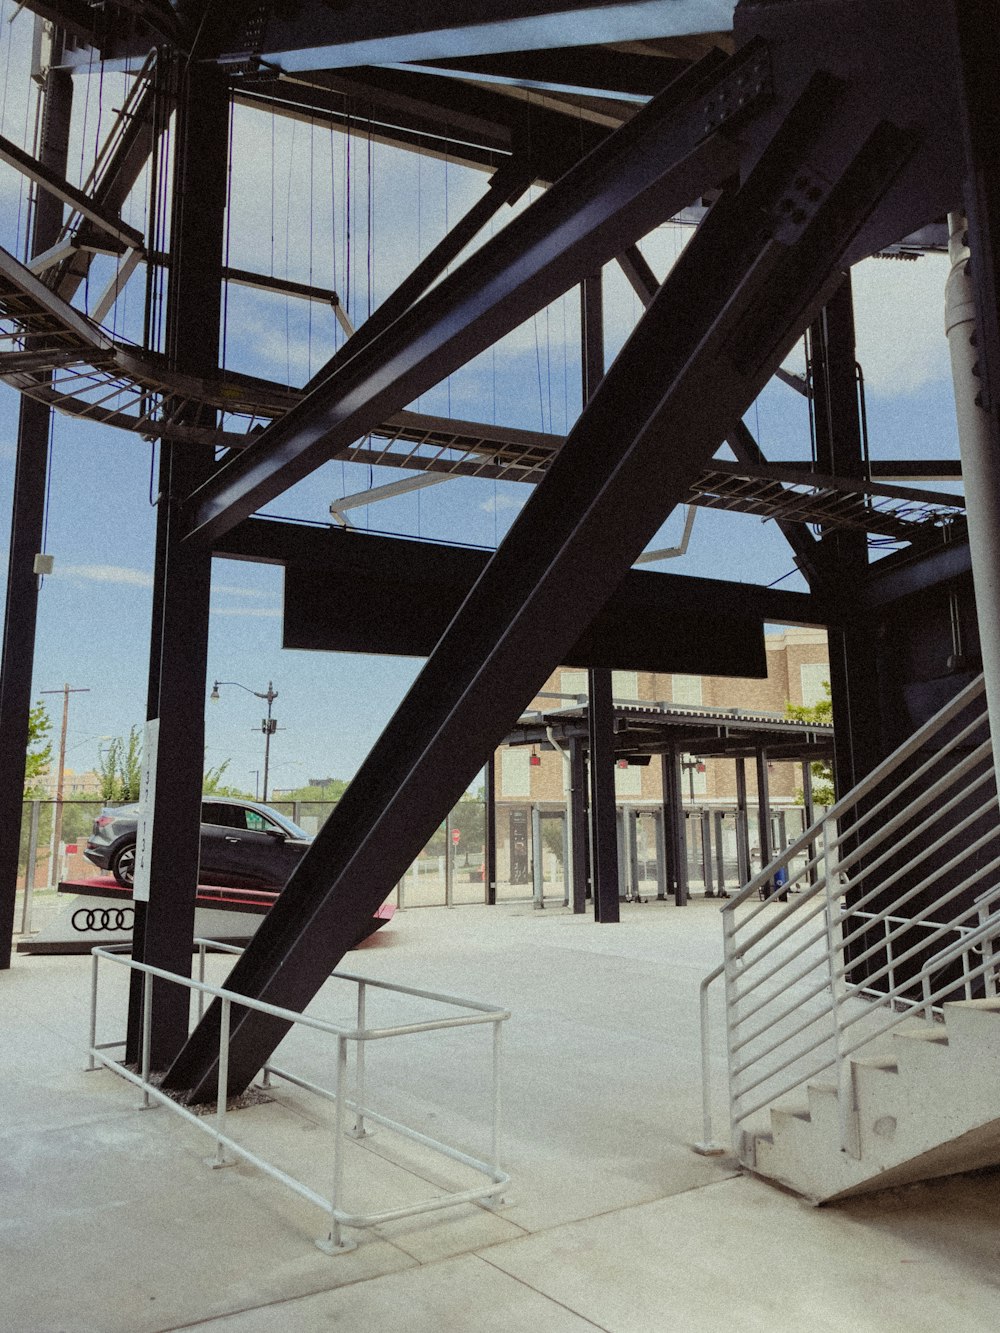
(223, 855)
(274, 856)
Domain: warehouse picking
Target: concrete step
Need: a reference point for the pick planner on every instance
(975, 1021)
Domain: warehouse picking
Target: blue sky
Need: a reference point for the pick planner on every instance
(94, 611)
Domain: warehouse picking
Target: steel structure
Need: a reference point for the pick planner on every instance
(818, 132)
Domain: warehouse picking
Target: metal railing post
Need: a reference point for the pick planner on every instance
(495, 1127)
(29, 869)
(91, 1062)
(732, 1022)
(359, 1131)
(989, 975)
(834, 954)
(147, 1014)
(336, 1239)
(222, 1089)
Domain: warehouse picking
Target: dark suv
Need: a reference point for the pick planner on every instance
(243, 844)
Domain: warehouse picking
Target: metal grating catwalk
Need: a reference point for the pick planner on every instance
(54, 353)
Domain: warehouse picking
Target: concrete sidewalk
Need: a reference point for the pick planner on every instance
(112, 1222)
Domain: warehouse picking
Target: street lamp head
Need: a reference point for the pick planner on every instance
(214, 696)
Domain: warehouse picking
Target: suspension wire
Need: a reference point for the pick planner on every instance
(565, 367)
(312, 220)
(9, 33)
(370, 202)
(288, 226)
(28, 209)
(48, 481)
(229, 230)
(348, 298)
(274, 119)
(447, 228)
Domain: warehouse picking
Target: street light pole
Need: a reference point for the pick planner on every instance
(268, 725)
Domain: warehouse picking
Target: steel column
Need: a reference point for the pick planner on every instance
(179, 640)
(854, 689)
(744, 868)
(578, 817)
(603, 823)
(740, 294)
(27, 524)
(975, 352)
(490, 847)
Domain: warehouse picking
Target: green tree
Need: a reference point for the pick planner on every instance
(327, 791)
(822, 773)
(212, 784)
(120, 767)
(39, 755)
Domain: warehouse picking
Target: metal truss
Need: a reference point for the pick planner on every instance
(750, 281)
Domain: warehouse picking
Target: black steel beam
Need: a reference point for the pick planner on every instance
(639, 176)
(744, 289)
(179, 641)
(889, 581)
(27, 526)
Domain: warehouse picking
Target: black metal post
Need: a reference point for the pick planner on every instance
(603, 827)
(764, 812)
(178, 666)
(27, 524)
(580, 822)
(744, 869)
(490, 846)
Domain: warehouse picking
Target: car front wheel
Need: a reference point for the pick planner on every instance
(123, 865)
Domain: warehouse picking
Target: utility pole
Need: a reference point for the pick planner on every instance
(66, 691)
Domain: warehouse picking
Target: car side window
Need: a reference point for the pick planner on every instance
(228, 816)
(259, 823)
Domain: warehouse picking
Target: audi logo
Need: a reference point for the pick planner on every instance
(102, 918)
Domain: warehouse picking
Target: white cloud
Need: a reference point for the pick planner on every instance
(137, 578)
(266, 612)
(911, 351)
(231, 590)
(497, 504)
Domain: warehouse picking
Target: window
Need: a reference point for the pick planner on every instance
(515, 772)
(257, 823)
(625, 684)
(573, 682)
(814, 675)
(228, 816)
(686, 689)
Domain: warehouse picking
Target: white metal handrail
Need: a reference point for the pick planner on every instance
(810, 978)
(361, 1033)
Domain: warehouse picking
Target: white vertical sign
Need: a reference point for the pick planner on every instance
(147, 797)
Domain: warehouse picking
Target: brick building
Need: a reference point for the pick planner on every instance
(797, 667)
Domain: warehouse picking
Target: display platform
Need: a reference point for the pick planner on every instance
(100, 913)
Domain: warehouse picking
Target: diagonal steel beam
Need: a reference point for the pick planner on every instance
(738, 297)
(637, 177)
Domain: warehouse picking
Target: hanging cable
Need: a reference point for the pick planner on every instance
(229, 229)
(288, 227)
(312, 209)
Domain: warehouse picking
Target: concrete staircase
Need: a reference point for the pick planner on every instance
(926, 1104)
